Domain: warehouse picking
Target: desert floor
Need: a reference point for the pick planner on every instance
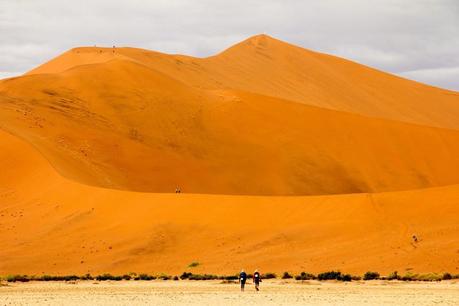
(275, 292)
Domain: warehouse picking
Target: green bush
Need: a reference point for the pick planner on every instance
(268, 275)
(447, 276)
(329, 275)
(430, 277)
(393, 276)
(356, 277)
(371, 275)
(286, 275)
(164, 277)
(144, 276)
(107, 276)
(176, 278)
(186, 275)
(126, 277)
(87, 276)
(231, 277)
(202, 277)
(345, 278)
(409, 277)
(17, 278)
(305, 276)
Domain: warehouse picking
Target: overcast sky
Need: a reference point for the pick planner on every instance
(418, 39)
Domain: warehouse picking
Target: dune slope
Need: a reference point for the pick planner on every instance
(51, 225)
(124, 124)
(265, 65)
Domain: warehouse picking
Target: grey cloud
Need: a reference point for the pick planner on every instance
(418, 39)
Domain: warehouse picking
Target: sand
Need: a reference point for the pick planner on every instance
(289, 160)
(215, 293)
(62, 227)
(262, 118)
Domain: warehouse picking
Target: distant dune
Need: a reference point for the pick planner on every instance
(261, 118)
(288, 159)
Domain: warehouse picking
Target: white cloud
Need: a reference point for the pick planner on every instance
(393, 35)
(443, 77)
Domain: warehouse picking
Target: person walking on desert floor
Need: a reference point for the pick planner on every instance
(242, 279)
(257, 280)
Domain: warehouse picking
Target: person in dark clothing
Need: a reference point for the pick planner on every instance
(242, 279)
(257, 280)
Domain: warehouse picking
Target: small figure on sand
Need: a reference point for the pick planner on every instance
(415, 238)
(257, 280)
(178, 190)
(242, 279)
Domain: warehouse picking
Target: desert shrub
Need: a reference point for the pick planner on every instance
(329, 275)
(228, 282)
(269, 275)
(126, 277)
(393, 276)
(305, 276)
(193, 264)
(87, 276)
(103, 277)
(409, 277)
(164, 277)
(345, 278)
(71, 278)
(371, 275)
(430, 277)
(447, 276)
(107, 276)
(356, 277)
(231, 277)
(144, 276)
(186, 275)
(176, 278)
(17, 278)
(286, 275)
(202, 277)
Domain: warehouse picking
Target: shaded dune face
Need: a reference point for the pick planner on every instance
(261, 118)
(55, 226)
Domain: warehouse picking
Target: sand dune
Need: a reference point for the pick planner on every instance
(265, 65)
(261, 118)
(137, 120)
(52, 225)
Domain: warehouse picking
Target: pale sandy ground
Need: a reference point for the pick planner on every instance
(215, 293)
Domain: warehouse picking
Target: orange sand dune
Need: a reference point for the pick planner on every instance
(261, 118)
(51, 225)
(264, 65)
(121, 124)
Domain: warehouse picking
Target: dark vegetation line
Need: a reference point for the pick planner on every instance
(331, 275)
